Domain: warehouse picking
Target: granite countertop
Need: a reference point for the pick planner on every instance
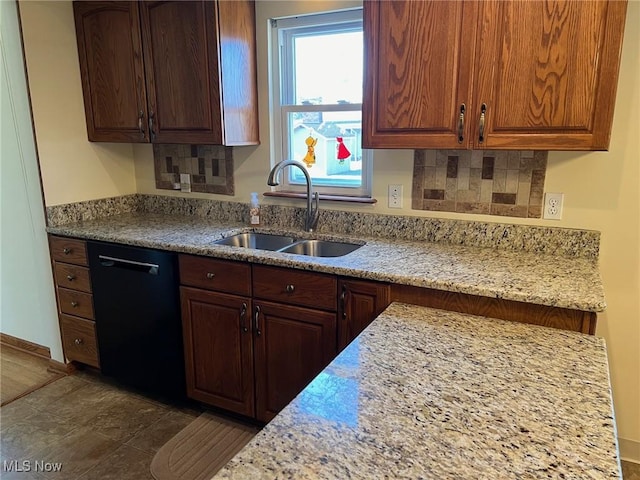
(426, 393)
(532, 277)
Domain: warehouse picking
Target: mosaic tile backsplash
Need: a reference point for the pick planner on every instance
(210, 167)
(507, 183)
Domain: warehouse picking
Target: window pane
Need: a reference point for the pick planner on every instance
(328, 68)
(337, 148)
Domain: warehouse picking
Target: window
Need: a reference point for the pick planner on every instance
(317, 102)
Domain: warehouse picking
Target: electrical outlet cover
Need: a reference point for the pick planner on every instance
(553, 206)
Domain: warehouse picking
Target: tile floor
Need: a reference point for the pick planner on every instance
(95, 429)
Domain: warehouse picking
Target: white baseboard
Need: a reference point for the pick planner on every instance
(629, 450)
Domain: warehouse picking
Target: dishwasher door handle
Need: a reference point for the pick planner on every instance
(150, 268)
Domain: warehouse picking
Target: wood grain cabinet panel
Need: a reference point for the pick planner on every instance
(157, 71)
(360, 303)
(72, 276)
(79, 340)
(535, 75)
(74, 298)
(110, 53)
(75, 303)
(248, 355)
(293, 345)
(213, 274)
(218, 342)
(68, 250)
(295, 287)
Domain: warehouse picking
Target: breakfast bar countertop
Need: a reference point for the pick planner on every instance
(555, 280)
(426, 393)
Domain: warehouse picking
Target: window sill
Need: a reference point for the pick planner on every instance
(332, 198)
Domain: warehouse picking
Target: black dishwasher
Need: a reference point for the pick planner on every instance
(137, 314)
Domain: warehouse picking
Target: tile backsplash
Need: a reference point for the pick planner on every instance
(507, 183)
(210, 167)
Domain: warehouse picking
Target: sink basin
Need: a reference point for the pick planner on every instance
(320, 248)
(260, 241)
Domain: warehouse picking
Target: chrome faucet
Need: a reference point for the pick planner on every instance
(312, 212)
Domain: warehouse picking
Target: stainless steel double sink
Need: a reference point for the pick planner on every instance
(288, 244)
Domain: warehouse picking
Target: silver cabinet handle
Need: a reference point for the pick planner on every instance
(78, 341)
(483, 110)
(152, 132)
(243, 317)
(71, 278)
(257, 317)
(290, 288)
(461, 123)
(66, 251)
(210, 275)
(74, 304)
(141, 124)
(343, 301)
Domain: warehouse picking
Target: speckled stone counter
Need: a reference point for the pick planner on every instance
(425, 393)
(532, 277)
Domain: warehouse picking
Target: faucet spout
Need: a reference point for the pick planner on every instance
(313, 201)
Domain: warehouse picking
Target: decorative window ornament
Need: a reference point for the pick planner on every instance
(343, 151)
(310, 157)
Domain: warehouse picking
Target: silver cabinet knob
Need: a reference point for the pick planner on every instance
(78, 341)
(290, 288)
(66, 251)
(74, 304)
(71, 278)
(210, 275)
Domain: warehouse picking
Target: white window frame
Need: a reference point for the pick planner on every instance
(282, 92)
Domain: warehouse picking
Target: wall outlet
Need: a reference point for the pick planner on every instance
(553, 206)
(395, 196)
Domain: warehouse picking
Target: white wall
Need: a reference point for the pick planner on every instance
(27, 301)
(73, 169)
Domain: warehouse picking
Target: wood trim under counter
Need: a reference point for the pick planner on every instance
(544, 315)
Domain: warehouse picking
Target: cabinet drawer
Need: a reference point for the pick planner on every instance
(68, 250)
(75, 303)
(295, 287)
(72, 276)
(213, 274)
(79, 340)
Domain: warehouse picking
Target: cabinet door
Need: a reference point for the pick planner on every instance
(293, 345)
(218, 349)
(547, 72)
(418, 62)
(181, 60)
(111, 67)
(360, 303)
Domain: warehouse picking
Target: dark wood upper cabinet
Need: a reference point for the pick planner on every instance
(112, 71)
(169, 72)
(501, 75)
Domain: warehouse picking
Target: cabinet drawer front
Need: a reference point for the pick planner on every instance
(295, 287)
(75, 303)
(68, 250)
(73, 276)
(212, 274)
(79, 340)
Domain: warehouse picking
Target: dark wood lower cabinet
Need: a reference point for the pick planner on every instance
(360, 303)
(293, 345)
(218, 342)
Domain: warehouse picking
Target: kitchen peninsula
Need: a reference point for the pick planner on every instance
(425, 393)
